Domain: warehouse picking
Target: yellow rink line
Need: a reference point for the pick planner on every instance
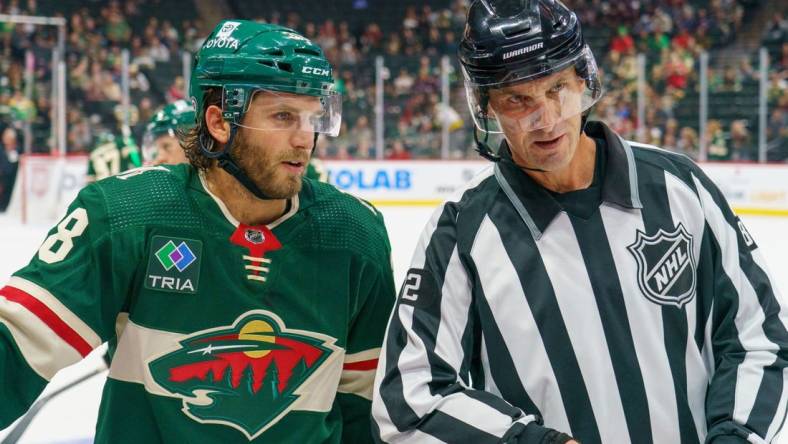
(406, 203)
(761, 212)
(435, 202)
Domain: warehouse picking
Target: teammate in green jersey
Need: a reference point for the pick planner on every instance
(160, 145)
(112, 154)
(248, 303)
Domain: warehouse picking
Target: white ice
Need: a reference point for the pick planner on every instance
(71, 417)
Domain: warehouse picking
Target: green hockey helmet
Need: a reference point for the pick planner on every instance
(244, 58)
(178, 115)
(103, 137)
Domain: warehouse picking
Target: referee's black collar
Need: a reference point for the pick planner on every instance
(538, 208)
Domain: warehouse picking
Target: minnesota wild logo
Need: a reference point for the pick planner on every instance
(244, 376)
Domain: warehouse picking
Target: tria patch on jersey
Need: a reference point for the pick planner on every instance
(666, 266)
(174, 264)
(246, 375)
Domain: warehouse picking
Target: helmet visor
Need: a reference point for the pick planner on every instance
(269, 110)
(530, 104)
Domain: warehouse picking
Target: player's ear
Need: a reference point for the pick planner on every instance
(216, 125)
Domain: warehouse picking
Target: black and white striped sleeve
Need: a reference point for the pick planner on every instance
(747, 336)
(422, 390)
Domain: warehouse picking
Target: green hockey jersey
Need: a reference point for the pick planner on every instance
(112, 155)
(316, 170)
(225, 332)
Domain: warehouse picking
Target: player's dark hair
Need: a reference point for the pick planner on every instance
(190, 139)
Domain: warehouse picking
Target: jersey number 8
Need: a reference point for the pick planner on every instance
(56, 247)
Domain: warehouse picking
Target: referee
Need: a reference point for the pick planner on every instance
(583, 288)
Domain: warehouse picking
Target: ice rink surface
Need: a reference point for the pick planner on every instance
(71, 417)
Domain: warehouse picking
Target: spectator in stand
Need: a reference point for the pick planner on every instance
(177, 90)
(777, 135)
(79, 135)
(403, 84)
(411, 20)
(688, 142)
(117, 29)
(398, 151)
(683, 40)
(372, 39)
(669, 142)
(741, 145)
(777, 29)
(622, 43)
(363, 135)
(778, 125)
(364, 150)
(670, 131)
(9, 163)
(22, 108)
(675, 74)
(110, 89)
(158, 51)
(781, 64)
(717, 146)
(731, 80)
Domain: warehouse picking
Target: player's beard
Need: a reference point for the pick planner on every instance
(264, 167)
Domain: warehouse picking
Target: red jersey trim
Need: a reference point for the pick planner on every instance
(48, 317)
(370, 364)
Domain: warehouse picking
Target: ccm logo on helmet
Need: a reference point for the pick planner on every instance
(316, 71)
(521, 51)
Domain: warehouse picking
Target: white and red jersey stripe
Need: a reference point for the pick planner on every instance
(47, 333)
(358, 373)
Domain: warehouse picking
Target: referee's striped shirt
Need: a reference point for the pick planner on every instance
(653, 320)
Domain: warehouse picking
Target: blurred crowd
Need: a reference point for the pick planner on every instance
(672, 44)
(670, 33)
(96, 34)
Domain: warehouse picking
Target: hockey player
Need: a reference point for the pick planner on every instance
(160, 145)
(248, 303)
(583, 286)
(112, 154)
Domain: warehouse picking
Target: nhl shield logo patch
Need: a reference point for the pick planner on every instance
(666, 267)
(254, 236)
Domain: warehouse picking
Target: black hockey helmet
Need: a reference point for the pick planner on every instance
(508, 42)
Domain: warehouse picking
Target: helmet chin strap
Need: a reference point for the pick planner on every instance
(227, 163)
(482, 147)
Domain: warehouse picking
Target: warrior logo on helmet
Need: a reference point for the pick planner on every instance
(219, 373)
(511, 42)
